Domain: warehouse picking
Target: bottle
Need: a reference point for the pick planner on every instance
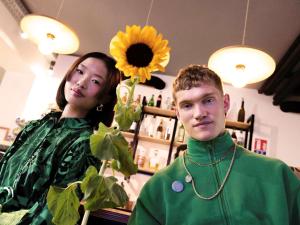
(154, 161)
(144, 102)
(151, 101)
(168, 130)
(234, 137)
(158, 101)
(167, 103)
(240, 139)
(124, 98)
(180, 137)
(241, 114)
(138, 100)
(151, 126)
(132, 127)
(159, 130)
(141, 157)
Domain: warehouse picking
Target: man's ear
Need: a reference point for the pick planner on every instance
(226, 100)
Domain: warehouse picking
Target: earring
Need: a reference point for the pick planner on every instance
(99, 108)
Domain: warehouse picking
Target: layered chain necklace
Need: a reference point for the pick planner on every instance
(189, 178)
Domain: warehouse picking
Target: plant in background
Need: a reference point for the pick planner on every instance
(138, 52)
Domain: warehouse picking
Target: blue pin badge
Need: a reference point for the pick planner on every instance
(177, 186)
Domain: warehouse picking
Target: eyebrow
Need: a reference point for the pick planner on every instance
(95, 74)
(197, 99)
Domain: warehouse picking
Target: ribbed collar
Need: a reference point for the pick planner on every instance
(73, 123)
(205, 150)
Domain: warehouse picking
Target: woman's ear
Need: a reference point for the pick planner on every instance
(226, 100)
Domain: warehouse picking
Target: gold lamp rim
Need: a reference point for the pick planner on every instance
(66, 40)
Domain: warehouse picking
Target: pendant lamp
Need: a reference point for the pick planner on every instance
(241, 64)
(51, 35)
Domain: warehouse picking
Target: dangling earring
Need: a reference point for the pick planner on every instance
(99, 108)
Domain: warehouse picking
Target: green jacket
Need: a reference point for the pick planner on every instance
(259, 190)
(46, 152)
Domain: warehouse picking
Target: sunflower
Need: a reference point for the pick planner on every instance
(140, 51)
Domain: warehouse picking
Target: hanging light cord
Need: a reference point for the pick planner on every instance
(149, 12)
(60, 8)
(245, 24)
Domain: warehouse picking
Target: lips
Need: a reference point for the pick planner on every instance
(203, 124)
(77, 92)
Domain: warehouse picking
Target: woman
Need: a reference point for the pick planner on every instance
(55, 150)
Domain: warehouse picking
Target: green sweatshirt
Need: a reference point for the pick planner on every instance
(47, 152)
(259, 190)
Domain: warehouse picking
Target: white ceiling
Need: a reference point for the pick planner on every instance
(194, 28)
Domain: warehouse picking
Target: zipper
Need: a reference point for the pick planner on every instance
(223, 206)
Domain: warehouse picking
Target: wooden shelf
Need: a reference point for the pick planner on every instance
(159, 112)
(237, 125)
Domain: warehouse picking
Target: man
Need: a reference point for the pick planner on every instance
(215, 181)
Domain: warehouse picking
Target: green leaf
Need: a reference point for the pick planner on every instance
(63, 203)
(101, 143)
(106, 194)
(12, 218)
(124, 163)
(89, 182)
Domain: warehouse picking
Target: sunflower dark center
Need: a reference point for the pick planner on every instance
(139, 55)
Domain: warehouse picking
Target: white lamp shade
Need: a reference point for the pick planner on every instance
(63, 39)
(241, 65)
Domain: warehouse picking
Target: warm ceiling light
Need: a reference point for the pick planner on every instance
(241, 64)
(49, 34)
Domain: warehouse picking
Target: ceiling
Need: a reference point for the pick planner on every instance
(194, 28)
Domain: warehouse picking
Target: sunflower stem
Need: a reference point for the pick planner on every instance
(87, 212)
(131, 93)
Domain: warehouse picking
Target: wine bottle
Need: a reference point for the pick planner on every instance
(241, 114)
(144, 102)
(158, 101)
(180, 137)
(159, 130)
(168, 130)
(151, 101)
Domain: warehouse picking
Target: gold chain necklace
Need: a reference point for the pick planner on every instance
(189, 178)
(208, 164)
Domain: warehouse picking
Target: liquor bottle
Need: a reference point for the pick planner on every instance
(168, 130)
(124, 98)
(138, 100)
(154, 161)
(240, 139)
(233, 136)
(158, 101)
(159, 130)
(151, 101)
(167, 103)
(180, 137)
(141, 157)
(151, 126)
(144, 102)
(241, 114)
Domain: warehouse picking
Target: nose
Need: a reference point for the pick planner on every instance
(199, 112)
(82, 82)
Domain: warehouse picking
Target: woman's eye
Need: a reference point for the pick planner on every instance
(96, 81)
(79, 71)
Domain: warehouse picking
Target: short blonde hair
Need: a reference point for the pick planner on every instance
(193, 76)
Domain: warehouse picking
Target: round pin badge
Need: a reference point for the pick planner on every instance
(188, 178)
(177, 186)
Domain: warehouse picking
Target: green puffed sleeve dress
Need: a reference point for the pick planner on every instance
(46, 152)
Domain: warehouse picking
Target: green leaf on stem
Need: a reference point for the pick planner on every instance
(101, 192)
(63, 204)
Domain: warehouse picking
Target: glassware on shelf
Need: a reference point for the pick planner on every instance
(154, 161)
(181, 131)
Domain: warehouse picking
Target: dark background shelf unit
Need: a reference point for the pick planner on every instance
(156, 112)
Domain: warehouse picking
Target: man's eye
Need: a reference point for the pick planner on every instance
(209, 100)
(186, 106)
